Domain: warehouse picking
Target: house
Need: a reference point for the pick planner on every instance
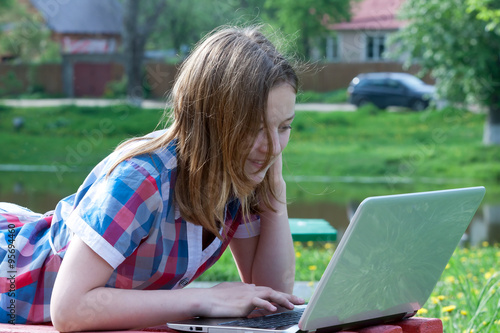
(89, 33)
(88, 27)
(364, 37)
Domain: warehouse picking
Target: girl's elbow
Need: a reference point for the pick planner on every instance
(64, 318)
(58, 320)
(60, 324)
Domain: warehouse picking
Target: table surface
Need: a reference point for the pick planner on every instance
(304, 230)
(412, 325)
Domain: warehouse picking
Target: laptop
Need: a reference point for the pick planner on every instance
(384, 269)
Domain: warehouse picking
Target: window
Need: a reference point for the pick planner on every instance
(372, 83)
(375, 47)
(332, 45)
(393, 84)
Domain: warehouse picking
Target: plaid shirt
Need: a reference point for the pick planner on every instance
(128, 218)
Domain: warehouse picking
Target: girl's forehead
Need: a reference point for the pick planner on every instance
(281, 104)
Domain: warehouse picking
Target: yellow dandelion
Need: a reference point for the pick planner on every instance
(450, 279)
(463, 259)
(475, 291)
(488, 275)
(313, 267)
(460, 295)
(449, 308)
(485, 244)
(445, 318)
(447, 266)
(497, 254)
(464, 313)
(310, 243)
(434, 300)
(441, 297)
(328, 246)
(422, 311)
(298, 254)
(310, 284)
(497, 322)
(485, 323)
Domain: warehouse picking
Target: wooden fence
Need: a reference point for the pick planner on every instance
(18, 79)
(47, 78)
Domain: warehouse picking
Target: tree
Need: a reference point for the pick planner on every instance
(5, 6)
(167, 24)
(163, 24)
(139, 21)
(306, 19)
(447, 39)
(487, 10)
(189, 20)
(24, 35)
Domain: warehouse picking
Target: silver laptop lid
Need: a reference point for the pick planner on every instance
(391, 256)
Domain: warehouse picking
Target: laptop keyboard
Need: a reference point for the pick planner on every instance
(268, 322)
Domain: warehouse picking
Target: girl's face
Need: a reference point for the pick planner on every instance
(280, 113)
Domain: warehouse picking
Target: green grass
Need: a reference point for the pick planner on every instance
(311, 261)
(397, 151)
(392, 152)
(401, 144)
(337, 96)
(466, 298)
(70, 135)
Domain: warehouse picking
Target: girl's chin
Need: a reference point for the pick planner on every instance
(255, 175)
(257, 178)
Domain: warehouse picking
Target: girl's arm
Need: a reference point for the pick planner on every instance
(81, 302)
(269, 259)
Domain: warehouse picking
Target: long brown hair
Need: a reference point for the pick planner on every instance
(219, 103)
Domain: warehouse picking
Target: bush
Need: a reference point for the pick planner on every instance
(369, 109)
(10, 85)
(336, 96)
(116, 89)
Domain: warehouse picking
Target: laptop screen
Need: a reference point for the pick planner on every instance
(391, 256)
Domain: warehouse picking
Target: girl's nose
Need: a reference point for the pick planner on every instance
(275, 144)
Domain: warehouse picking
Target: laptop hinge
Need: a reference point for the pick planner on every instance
(364, 323)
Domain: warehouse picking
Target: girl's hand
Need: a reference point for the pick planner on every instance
(276, 173)
(237, 299)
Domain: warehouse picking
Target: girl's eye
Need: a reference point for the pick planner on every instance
(286, 128)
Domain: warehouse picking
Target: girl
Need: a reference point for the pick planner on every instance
(161, 209)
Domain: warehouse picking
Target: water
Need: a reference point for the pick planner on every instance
(40, 190)
(484, 227)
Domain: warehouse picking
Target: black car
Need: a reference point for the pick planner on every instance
(390, 89)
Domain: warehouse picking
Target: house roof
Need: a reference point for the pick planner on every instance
(372, 15)
(82, 16)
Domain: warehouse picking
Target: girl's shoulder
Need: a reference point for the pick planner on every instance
(157, 164)
(161, 159)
